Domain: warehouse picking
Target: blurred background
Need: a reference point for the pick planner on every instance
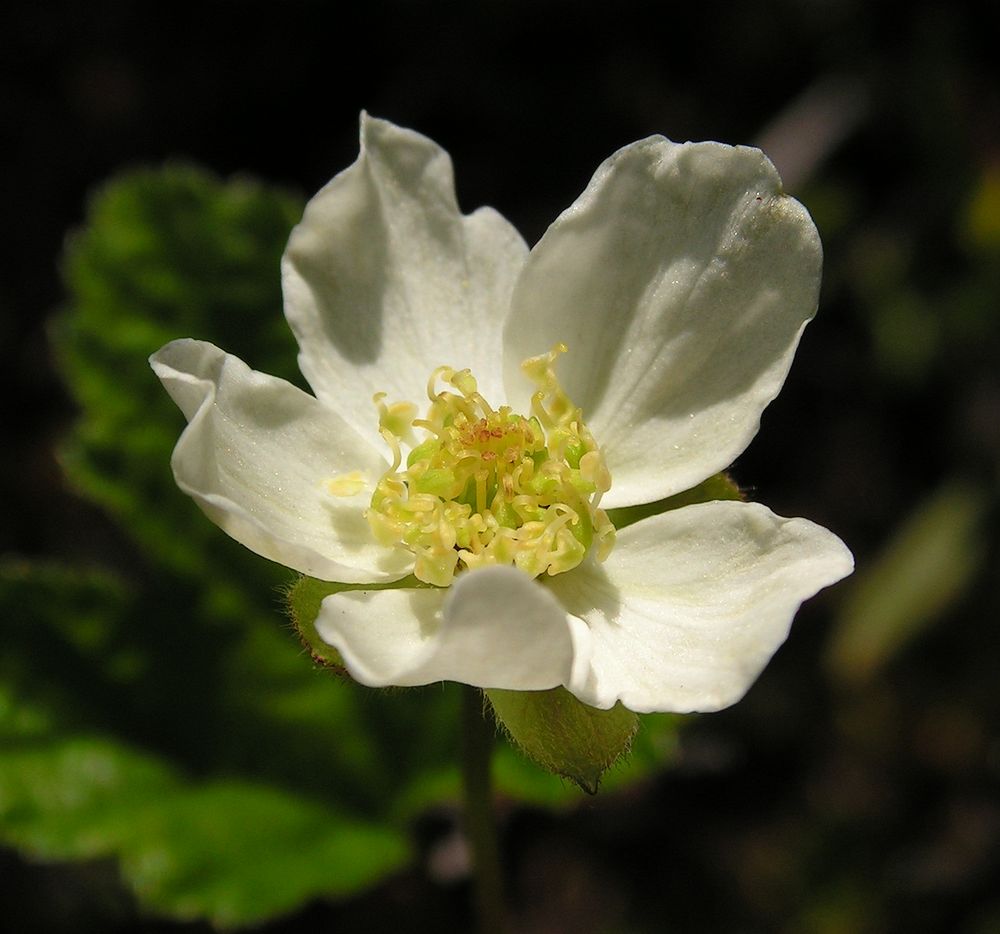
(170, 760)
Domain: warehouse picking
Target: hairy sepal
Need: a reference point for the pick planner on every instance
(563, 735)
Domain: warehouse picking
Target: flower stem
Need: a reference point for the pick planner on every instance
(480, 825)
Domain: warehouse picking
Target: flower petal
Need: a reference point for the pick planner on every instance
(257, 456)
(692, 603)
(493, 628)
(385, 280)
(681, 280)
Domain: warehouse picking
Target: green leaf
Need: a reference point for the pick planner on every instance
(156, 665)
(720, 486)
(231, 850)
(563, 735)
(165, 254)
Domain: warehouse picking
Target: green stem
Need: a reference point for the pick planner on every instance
(480, 825)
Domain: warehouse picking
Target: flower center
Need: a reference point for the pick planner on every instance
(489, 486)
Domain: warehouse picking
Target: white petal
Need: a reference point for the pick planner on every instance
(680, 280)
(385, 279)
(692, 603)
(494, 628)
(257, 456)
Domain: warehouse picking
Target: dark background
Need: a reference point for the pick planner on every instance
(829, 800)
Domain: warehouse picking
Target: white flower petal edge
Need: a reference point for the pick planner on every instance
(255, 457)
(692, 603)
(384, 279)
(681, 280)
(494, 628)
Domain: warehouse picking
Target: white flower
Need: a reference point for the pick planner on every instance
(680, 281)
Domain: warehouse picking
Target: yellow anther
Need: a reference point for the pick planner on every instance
(396, 418)
(465, 383)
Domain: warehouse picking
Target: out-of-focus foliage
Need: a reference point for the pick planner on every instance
(164, 255)
(930, 562)
(981, 224)
(233, 850)
(170, 717)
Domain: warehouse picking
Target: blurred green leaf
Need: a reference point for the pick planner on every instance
(230, 850)
(234, 696)
(981, 221)
(164, 254)
(907, 335)
(923, 569)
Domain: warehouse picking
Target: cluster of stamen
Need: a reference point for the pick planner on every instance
(488, 486)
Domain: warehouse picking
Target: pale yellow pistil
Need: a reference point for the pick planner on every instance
(490, 486)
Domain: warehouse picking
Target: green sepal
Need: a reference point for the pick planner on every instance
(563, 735)
(302, 602)
(719, 486)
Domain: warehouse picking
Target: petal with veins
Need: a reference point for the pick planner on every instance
(692, 603)
(680, 280)
(384, 279)
(258, 456)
